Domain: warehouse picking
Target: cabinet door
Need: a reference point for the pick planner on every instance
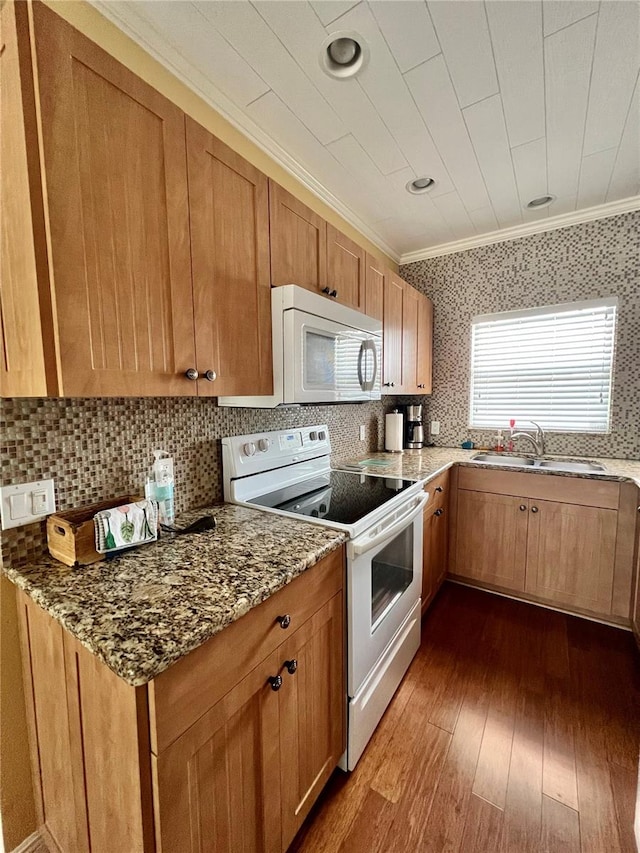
(345, 269)
(229, 216)
(435, 539)
(298, 242)
(312, 713)
(392, 335)
(375, 273)
(116, 176)
(635, 594)
(571, 554)
(22, 364)
(217, 787)
(424, 363)
(491, 539)
(410, 303)
(428, 573)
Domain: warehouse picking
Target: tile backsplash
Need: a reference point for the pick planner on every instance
(586, 261)
(97, 449)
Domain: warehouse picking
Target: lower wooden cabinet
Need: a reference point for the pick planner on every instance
(435, 539)
(562, 541)
(112, 774)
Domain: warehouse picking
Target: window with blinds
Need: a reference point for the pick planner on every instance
(553, 365)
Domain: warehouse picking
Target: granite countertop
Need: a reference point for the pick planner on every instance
(142, 610)
(427, 463)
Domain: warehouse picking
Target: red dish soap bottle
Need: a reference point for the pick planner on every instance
(512, 423)
(499, 446)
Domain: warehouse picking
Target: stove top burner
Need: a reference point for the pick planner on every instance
(343, 497)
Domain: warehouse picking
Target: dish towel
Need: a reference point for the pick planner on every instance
(125, 526)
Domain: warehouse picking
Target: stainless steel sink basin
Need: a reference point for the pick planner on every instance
(570, 465)
(494, 459)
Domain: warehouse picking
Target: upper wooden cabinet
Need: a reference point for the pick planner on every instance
(229, 215)
(410, 303)
(392, 335)
(374, 276)
(22, 362)
(345, 269)
(298, 242)
(424, 357)
(115, 171)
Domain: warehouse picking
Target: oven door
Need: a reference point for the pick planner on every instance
(326, 362)
(384, 580)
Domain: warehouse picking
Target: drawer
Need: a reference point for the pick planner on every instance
(438, 489)
(184, 692)
(544, 487)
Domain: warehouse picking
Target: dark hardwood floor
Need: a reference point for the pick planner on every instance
(515, 730)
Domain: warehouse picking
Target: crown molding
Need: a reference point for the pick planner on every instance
(216, 99)
(553, 223)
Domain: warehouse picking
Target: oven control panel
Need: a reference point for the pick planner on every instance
(252, 454)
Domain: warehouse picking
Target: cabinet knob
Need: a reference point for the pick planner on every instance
(334, 293)
(534, 509)
(291, 666)
(439, 489)
(327, 290)
(523, 507)
(211, 375)
(275, 681)
(421, 386)
(439, 512)
(284, 621)
(389, 384)
(192, 374)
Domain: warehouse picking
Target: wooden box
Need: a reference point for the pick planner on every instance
(71, 534)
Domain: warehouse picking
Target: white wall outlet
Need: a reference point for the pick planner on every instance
(26, 503)
(362, 432)
(434, 429)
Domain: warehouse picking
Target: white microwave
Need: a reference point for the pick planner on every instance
(323, 352)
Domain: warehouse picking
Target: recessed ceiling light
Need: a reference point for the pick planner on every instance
(543, 201)
(420, 185)
(343, 54)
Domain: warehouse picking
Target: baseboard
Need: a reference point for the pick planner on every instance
(31, 844)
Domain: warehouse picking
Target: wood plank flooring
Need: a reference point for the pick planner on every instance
(515, 730)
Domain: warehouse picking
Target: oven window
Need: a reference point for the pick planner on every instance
(391, 574)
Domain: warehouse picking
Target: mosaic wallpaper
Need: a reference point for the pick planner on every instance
(97, 449)
(587, 261)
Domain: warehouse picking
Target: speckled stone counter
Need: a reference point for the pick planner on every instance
(142, 610)
(427, 463)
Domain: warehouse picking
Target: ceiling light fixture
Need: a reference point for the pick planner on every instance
(420, 185)
(543, 201)
(343, 55)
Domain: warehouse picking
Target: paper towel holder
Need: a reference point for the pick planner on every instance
(394, 432)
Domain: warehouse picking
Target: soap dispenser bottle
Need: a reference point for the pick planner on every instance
(160, 486)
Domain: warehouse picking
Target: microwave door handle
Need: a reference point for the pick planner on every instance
(361, 377)
(366, 384)
(361, 547)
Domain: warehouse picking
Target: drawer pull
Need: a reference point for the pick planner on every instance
(291, 666)
(284, 621)
(211, 376)
(439, 489)
(534, 509)
(275, 681)
(523, 507)
(438, 512)
(327, 290)
(191, 374)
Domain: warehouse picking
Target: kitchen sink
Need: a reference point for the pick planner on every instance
(494, 459)
(570, 465)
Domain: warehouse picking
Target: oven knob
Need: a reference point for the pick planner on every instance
(313, 436)
(263, 445)
(322, 435)
(249, 449)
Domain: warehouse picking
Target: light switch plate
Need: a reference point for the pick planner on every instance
(26, 502)
(435, 428)
(362, 432)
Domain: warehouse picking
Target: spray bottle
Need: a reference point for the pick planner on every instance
(160, 486)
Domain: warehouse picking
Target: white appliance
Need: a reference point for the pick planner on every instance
(288, 472)
(323, 352)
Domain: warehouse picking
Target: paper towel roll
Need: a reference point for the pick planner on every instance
(393, 432)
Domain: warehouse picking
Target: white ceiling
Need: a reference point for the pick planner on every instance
(500, 101)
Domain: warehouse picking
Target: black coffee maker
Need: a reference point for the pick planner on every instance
(414, 431)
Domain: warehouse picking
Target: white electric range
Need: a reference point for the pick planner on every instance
(289, 472)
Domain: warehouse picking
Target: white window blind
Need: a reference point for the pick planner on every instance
(553, 365)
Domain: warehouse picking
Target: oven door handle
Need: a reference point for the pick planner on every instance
(369, 542)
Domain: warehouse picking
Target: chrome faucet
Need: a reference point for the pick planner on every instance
(536, 440)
